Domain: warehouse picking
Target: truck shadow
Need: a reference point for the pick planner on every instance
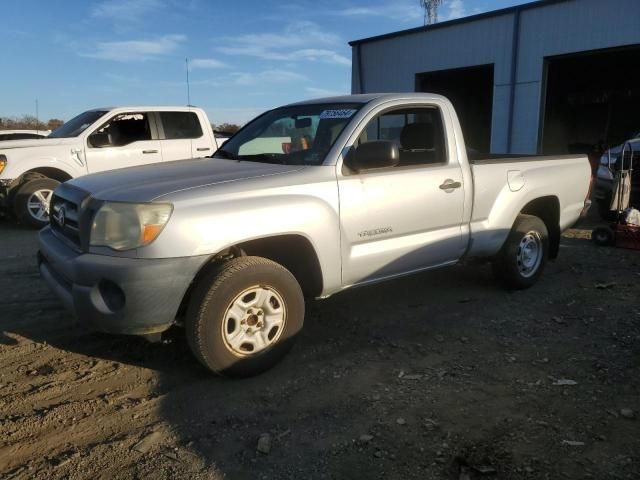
(319, 394)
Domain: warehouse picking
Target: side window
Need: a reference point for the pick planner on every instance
(124, 129)
(180, 125)
(418, 132)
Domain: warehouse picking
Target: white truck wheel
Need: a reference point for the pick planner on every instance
(31, 202)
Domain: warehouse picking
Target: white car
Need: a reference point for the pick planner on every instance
(23, 134)
(95, 141)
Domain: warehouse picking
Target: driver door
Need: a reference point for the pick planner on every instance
(125, 140)
(408, 217)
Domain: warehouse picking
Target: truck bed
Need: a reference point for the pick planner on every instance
(484, 159)
(504, 183)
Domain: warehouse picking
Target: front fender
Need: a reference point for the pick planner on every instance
(18, 163)
(209, 225)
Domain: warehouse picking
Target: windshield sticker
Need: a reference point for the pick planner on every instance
(344, 113)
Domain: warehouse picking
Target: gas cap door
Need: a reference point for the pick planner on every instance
(515, 179)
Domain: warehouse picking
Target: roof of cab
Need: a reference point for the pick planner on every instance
(369, 97)
(147, 108)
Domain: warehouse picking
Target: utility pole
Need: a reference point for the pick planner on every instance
(186, 61)
(430, 10)
(37, 117)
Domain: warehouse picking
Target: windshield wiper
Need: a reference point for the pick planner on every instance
(224, 154)
(264, 158)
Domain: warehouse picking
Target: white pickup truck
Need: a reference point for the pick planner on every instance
(95, 141)
(306, 200)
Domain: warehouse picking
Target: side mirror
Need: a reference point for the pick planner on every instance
(378, 154)
(99, 140)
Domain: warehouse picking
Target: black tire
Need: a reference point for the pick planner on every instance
(21, 200)
(213, 296)
(603, 209)
(603, 236)
(508, 266)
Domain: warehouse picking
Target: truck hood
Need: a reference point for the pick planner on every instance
(149, 182)
(36, 143)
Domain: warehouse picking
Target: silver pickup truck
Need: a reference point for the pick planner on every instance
(305, 201)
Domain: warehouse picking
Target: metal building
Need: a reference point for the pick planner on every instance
(554, 76)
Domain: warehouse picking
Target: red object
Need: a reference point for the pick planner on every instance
(286, 147)
(628, 236)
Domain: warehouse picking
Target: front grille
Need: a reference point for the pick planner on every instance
(67, 211)
(64, 218)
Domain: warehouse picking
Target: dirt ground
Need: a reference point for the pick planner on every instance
(437, 376)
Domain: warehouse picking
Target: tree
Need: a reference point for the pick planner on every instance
(225, 127)
(430, 10)
(28, 122)
(54, 123)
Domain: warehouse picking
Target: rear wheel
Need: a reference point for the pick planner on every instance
(523, 256)
(244, 316)
(603, 236)
(31, 202)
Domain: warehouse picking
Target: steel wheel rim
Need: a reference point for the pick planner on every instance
(529, 255)
(38, 204)
(254, 320)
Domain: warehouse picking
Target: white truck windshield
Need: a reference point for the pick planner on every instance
(77, 125)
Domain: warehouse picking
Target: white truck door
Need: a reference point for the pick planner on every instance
(125, 140)
(183, 136)
(405, 218)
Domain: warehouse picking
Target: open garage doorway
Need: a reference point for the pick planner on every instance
(592, 101)
(471, 92)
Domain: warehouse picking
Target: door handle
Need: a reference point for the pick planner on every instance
(203, 149)
(450, 185)
(149, 151)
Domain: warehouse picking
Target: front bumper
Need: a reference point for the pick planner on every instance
(4, 193)
(114, 294)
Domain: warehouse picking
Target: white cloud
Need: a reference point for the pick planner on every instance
(135, 50)
(398, 10)
(320, 55)
(324, 92)
(125, 10)
(267, 76)
(457, 9)
(206, 63)
(300, 41)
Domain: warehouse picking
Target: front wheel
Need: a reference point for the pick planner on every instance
(31, 202)
(523, 256)
(244, 316)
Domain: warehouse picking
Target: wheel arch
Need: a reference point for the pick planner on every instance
(46, 172)
(547, 208)
(295, 252)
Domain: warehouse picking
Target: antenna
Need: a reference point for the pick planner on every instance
(186, 60)
(37, 117)
(430, 10)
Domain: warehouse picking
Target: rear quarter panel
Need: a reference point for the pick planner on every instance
(496, 204)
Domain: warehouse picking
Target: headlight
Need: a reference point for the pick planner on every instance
(123, 226)
(3, 162)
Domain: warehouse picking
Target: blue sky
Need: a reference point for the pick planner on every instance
(246, 55)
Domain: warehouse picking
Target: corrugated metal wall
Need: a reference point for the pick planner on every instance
(391, 64)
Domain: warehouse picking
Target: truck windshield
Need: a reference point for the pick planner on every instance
(296, 135)
(77, 125)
